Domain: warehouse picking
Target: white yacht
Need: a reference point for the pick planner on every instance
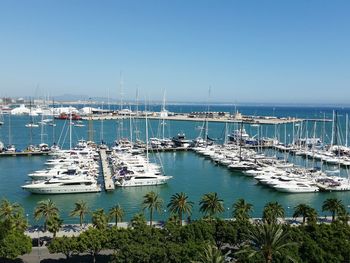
(333, 183)
(296, 187)
(239, 135)
(181, 141)
(142, 180)
(64, 185)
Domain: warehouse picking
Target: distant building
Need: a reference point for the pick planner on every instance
(20, 101)
(6, 100)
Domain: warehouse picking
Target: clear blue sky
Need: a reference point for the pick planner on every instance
(247, 51)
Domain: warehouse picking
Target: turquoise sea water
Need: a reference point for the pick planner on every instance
(191, 173)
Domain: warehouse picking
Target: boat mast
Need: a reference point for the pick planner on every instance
(30, 123)
(346, 130)
(42, 129)
(10, 139)
(285, 142)
(336, 128)
(293, 131)
(101, 132)
(313, 144)
(225, 135)
(306, 139)
(146, 119)
(130, 124)
(332, 139)
(121, 123)
(53, 121)
(91, 127)
(240, 142)
(324, 129)
(70, 128)
(137, 116)
(163, 115)
(206, 118)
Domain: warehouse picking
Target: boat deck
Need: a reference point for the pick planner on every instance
(171, 149)
(106, 170)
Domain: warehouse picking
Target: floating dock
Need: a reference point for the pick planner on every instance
(106, 171)
(15, 154)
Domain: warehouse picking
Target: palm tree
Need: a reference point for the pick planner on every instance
(117, 212)
(54, 224)
(8, 209)
(180, 205)
(138, 220)
(152, 201)
(46, 209)
(343, 216)
(19, 222)
(211, 254)
(272, 211)
(99, 219)
(210, 204)
(81, 209)
(302, 210)
(267, 240)
(333, 205)
(312, 216)
(173, 218)
(241, 210)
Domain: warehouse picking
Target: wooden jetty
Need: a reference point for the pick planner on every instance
(19, 154)
(106, 171)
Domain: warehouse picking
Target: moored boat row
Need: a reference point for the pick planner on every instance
(279, 175)
(69, 171)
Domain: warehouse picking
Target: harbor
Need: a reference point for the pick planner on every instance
(168, 132)
(190, 172)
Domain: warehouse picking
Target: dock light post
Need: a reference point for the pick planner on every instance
(37, 230)
(288, 207)
(228, 213)
(165, 213)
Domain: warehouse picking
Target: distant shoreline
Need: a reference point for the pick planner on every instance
(175, 103)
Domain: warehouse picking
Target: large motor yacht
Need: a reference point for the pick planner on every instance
(142, 180)
(64, 185)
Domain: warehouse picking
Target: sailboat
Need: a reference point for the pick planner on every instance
(163, 142)
(31, 124)
(10, 147)
(141, 173)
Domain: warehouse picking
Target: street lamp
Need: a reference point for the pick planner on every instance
(228, 213)
(37, 230)
(288, 207)
(165, 215)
